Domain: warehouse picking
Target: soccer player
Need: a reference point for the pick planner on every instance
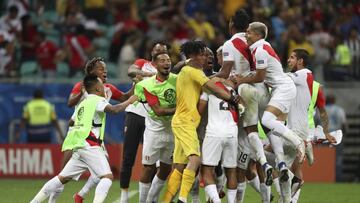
(86, 137)
(96, 66)
(135, 119)
(189, 84)
(270, 71)
(300, 119)
(220, 142)
(159, 92)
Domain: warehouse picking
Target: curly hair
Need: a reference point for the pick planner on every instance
(241, 20)
(91, 64)
(192, 47)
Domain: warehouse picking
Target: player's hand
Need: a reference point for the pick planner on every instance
(133, 99)
(330, 138)
(148, 74)
(137, 78)
(217, 79)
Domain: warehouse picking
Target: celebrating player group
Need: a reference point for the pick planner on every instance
(250, 123)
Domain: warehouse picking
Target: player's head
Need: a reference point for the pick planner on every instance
(298, 59)
(255, 32)
(38, 94)
(162, 63)
(94, 85)
(159, 47)
(219, 56)
(195, 50)
(96, 66)
(13, 11)
(239, 22)
(210, 59)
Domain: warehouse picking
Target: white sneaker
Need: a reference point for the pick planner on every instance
(284, 172)
(268, 174)
(309, 153)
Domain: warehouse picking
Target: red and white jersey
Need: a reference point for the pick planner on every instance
(222, 117)
(95, 131)
(298, 114)
(111, 92)
(265, 57)
(236, 50)
(147, 66)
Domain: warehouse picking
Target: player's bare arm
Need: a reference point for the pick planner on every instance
(135, 70)
(225, 70)
(220, 93)
(75, 98)
(202, 105)
(161, 111)
(114, 109)
(259, 76)
(127, 94)
(325, 124)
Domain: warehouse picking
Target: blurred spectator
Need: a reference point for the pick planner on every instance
(128, 55)
(78, 49)
(10, 22)
(297, 40)
(22, 5)
(203, 29)
(342, 53)
(337, 121)
(46, 55)
(27, 39)
(321, 40)
(353, 43)
(7, 47)
(96, 10)
(39, 117)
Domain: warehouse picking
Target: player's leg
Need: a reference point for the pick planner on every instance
(211, 155)
(98, 165)
(264, 190)
(252, 176)
(229, 160)
(73, 169)
(243, 160)
(158, 182)
(134, 129)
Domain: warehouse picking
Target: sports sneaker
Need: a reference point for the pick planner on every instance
(309, 153)
(268, 174)
(301, 151)
(284, 172)
(296, 184)
(221, 194)
(78, 198)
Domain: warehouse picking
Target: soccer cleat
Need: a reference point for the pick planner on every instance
(78, 198)
(271, 197)
(296, 184)
(221, 194)
(268, 174)
(301, 151)
(309, 153)
(284, 172)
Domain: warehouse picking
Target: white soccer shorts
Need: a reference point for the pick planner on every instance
(157, 145)
(92, 159)
(281, 97)
(215, 149)
(256, 97)
(245, 153)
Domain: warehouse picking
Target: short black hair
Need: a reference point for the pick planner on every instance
(13, 9)
(168, 47)
(192, 47)
(89, 82)
(38, 93)
(241, 20)
(302, 54)
(155, 57)
(91, 64)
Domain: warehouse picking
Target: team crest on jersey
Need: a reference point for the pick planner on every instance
(80, 113)
(170, 95)
(260, 62)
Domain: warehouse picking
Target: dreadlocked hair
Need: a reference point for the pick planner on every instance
(91, 64)
(192, 48)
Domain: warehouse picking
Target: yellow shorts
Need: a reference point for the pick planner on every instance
(186, 143)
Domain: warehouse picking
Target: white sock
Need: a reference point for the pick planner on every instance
(265, 193)
(257, 146)
(212, 192)
(286, 189)
(53, 196)
(194, 192)
(255, 183)
(241, 192)
(277, 147)
(49, 187)
(277, 185)
(296, 197)
(124, 196)
(231, 195)
(143, 191)
(270, 121)
(102, 189)
(90, 183)
(154, 191)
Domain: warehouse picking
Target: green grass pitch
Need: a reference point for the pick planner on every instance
(19, 191)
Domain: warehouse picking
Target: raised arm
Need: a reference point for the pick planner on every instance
(135, 69)
(225, 70)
